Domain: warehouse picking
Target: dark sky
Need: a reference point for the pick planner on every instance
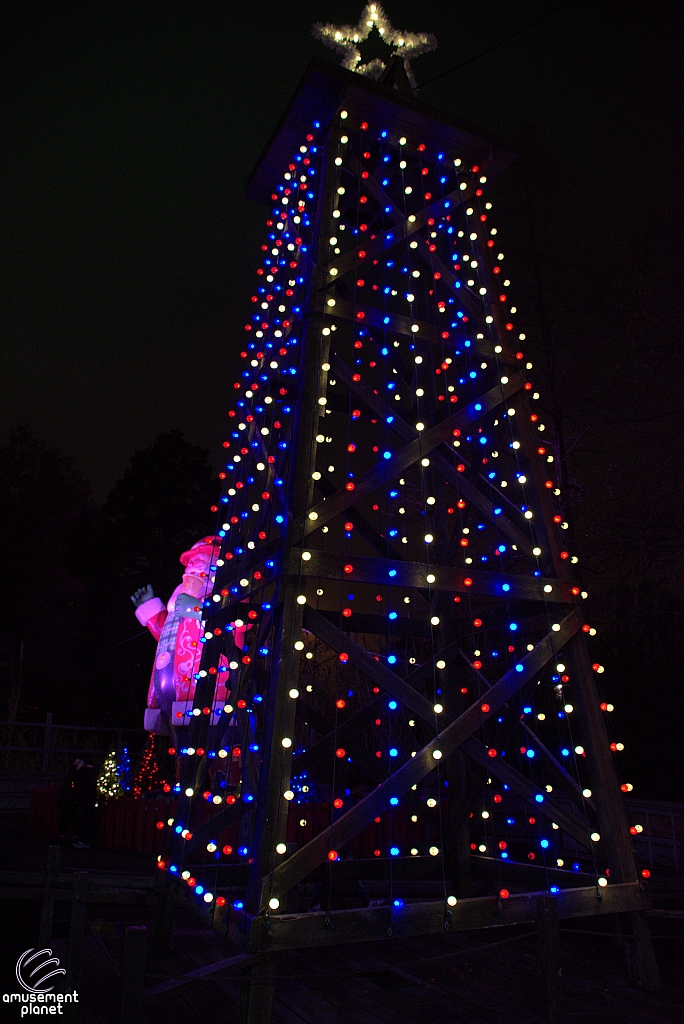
(131, 128)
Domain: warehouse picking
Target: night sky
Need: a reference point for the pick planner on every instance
(131, 129)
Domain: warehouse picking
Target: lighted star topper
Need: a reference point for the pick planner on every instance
(345, 39)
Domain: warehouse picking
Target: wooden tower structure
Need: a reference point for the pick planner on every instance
(396, 614)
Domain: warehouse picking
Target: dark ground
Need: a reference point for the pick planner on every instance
(457, 978)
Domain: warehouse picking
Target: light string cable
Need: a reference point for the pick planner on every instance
(265, 517)
(483, 280)
(530, 455)
(193, 806)
(298, 427)
(244, 735)
(486, 277)
(348, 534)
(199, 809)
(386, 353)
(417, 373)
(340, 153)
(469, 351)
(431, 477)
(495, 46)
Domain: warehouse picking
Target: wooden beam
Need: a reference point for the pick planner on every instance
(366, 663)
(331, 739)
(557, 772)
(460, 481)
(362, 659)
(371, 185)
(528, 790)
(548, 946)
(133, 975)
(77, 926)
(383, 545)
(257, 990)
(358, 622)
(465, 488)
(472, 303)
(297, 931)
(373, 248)
(386, 469)
(315, 852)
(531, 439)
(393, 573)
(48, 909)
(336, 307)
(371, 316)
(613, 824)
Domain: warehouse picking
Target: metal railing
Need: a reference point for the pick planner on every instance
(45, 747)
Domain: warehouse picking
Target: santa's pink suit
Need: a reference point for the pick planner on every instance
(178, 642)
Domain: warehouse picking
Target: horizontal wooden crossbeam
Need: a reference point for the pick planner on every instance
(297, 931)
(484, 502)
(370, 316)
(387, 469)
(366, 569)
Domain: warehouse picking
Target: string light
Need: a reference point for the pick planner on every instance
(426, 525)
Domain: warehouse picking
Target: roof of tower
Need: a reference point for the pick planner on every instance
(318, 98)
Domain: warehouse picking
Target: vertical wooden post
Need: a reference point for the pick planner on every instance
(164, 914)
(256, 992)
(133, 975)
(77, 931)
(271, 809)
(548, 941)
(47, 912)
(641, 962)
(611, 812)
(47, 741)
(457, 845)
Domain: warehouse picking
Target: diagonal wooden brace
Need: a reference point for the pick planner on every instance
(301, 863)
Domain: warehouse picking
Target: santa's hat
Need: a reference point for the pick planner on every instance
(207, 546)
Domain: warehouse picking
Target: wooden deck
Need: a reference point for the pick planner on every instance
(486, 977)
(469, 978)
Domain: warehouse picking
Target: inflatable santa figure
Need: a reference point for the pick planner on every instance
(176, 627)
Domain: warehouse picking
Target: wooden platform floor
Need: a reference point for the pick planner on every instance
(467, 978)
(451, 979)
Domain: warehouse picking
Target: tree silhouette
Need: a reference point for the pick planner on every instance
(43, 501)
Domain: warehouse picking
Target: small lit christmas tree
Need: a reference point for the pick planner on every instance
(109, 780)
(124, 770)
(149, 775)
(115, 777)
